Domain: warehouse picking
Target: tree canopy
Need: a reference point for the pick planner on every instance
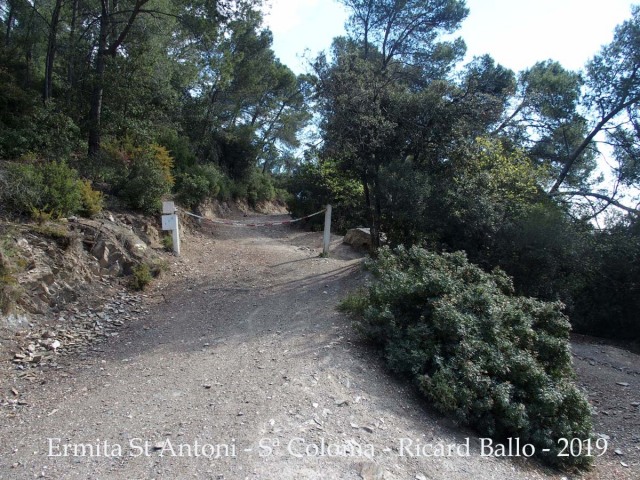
(535, 171)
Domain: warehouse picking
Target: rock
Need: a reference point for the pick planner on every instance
(617, 451)
(623, 384)
(358, 237)
(370, 471)
(55, 345)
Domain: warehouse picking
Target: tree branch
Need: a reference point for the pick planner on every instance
(599, 196)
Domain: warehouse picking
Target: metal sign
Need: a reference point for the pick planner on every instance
(169, 222)
(168, 208)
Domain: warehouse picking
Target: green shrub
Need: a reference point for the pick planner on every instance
(492, 360)
(144, 187)
(167, 242)
(200, 182)
(31, 127)
(141, 276)
(50, 189)
(143, 273)
(260, 188)
(313, 185)
(192, 189)
(92, 200)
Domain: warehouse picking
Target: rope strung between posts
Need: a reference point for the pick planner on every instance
(231, 223)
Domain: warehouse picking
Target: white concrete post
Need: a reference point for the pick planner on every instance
(170, 222)
(326, 241)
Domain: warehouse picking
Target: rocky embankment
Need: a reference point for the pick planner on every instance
(64, 285)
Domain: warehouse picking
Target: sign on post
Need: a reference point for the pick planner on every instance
(170, 222)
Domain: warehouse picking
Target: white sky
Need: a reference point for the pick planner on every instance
(517, 33)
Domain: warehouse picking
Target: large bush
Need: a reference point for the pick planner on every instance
(260, 188)
(137, 174)
(51, 188)
(200, 182)
(495, 361)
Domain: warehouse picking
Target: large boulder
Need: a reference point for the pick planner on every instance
(359, 238)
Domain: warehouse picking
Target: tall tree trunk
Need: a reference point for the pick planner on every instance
(51, 52)
(371, 210)
(7, 36)
(104, 49)
(72, 44)
(95, 111)
(376, 235)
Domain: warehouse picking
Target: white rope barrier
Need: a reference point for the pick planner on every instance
(170, 223)
(231, 223)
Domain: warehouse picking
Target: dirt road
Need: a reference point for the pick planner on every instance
(243, 369)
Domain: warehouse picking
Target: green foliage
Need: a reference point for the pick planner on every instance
(50, 189)
(34, 129)
(139, 175)
(141, 276)
(167, 242)
(314, 185)
(144, 186)
(260, 188)
(179, 148)
(143, 273)
(495, 361)
(92, 200)
(607, 296)
(192, 189)
(200, 182)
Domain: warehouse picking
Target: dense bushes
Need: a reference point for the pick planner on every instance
(607, 301)
(138, 175)
(50, 189)
(495, 361)
(200, 182)
(314, 185)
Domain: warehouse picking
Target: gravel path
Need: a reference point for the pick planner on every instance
(242, 369)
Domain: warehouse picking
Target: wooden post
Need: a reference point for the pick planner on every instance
(170, 222)
(327, 232)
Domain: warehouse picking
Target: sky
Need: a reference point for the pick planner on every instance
(516, 33)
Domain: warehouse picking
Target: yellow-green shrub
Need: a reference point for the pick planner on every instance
(92, 200)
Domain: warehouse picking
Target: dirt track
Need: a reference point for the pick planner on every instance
(243, 355)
